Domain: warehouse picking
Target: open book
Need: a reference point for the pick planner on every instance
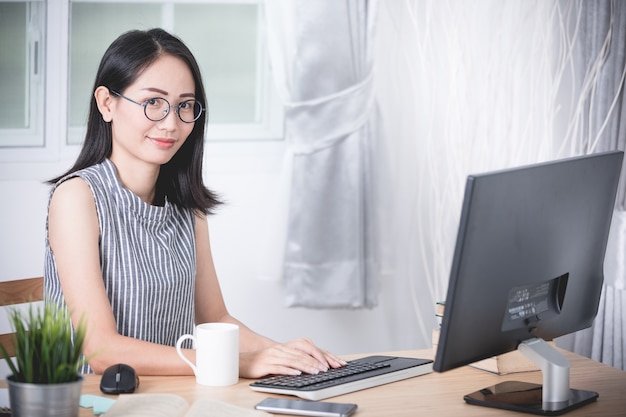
(171, 405)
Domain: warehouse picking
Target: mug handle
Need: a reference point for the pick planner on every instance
(179, 342)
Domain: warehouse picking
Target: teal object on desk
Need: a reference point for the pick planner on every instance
(99, 404)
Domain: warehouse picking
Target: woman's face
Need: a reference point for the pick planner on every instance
(135, 137)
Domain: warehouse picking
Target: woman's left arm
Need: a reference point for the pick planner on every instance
(259, 355)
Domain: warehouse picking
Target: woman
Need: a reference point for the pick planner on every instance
(127, 236)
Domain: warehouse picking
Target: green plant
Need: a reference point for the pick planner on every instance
(47, 351)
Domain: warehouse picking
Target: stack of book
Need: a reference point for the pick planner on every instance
(508, 363)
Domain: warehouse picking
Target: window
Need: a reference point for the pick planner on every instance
(226, 36)
(22, 80)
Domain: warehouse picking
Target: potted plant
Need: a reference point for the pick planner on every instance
(45, 380)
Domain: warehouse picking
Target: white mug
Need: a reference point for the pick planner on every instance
(217, 353)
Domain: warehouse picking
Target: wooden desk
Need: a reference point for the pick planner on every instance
(436, 394)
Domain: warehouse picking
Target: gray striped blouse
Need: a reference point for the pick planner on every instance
(148, 260)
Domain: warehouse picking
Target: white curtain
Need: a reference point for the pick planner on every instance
(321, 56)
(467, 87)
(464, 87)
(597, 122)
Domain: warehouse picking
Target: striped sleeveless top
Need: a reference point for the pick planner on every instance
(147, 256)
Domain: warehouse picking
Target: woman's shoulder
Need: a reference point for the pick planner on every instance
(82, 185)
(72, 189)
(95, 176)
(71, 200)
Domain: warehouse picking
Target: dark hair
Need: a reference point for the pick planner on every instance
(180, 179)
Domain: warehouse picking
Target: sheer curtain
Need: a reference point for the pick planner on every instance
(321, 56)
(464, 87)
(597, 122)
(467, 87)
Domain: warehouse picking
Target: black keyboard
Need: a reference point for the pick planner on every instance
(304, 380)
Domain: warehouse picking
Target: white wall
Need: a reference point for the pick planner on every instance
(246, 176)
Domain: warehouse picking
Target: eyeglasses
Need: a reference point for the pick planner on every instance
(157, 108)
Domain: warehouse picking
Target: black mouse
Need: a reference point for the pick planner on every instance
(119, 379)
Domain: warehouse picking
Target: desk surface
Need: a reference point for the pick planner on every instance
(439, 394)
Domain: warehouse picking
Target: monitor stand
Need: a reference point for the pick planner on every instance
(554, 397)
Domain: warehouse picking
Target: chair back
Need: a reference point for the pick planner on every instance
(15, 292)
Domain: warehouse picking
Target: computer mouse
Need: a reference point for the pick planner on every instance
(119, 379)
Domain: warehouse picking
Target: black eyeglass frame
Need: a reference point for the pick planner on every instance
(167, 111)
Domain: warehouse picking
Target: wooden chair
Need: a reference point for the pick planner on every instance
(18, 292)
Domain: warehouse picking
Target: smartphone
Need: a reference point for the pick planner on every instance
(306, 407)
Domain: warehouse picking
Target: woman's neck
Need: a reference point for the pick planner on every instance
(140, 178)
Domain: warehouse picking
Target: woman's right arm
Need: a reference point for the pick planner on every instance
(73, 233)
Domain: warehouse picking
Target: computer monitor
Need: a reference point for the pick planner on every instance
(527, 268)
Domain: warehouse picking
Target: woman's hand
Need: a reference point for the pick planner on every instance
(292, 358)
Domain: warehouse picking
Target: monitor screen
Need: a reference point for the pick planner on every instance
(528, 260)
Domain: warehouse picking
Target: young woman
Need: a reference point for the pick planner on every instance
(127, 236)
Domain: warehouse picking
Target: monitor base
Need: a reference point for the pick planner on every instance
(527, 398)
